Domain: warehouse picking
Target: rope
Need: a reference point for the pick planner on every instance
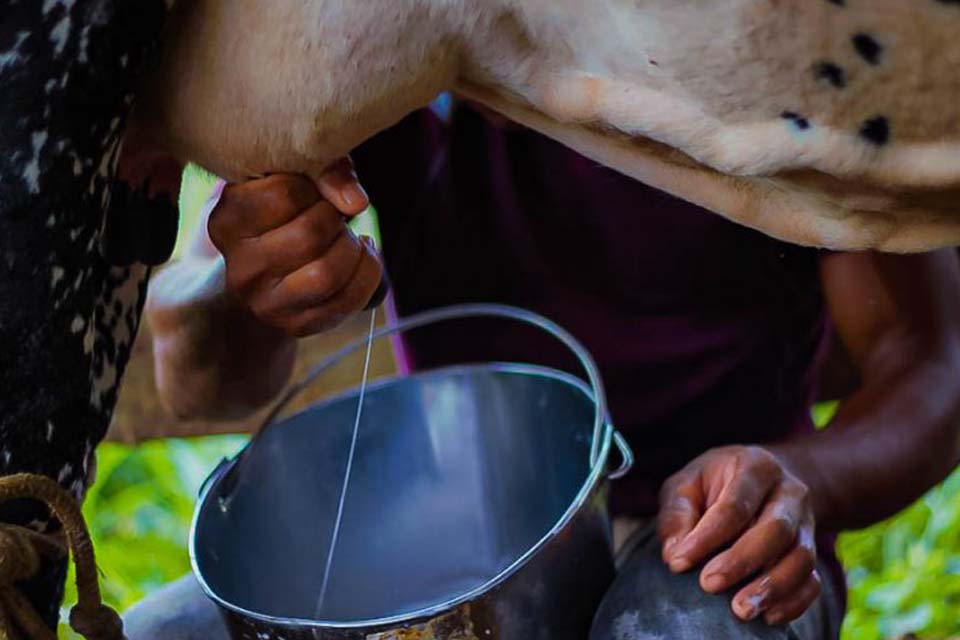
(22, 551)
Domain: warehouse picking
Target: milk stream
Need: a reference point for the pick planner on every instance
(335, 537)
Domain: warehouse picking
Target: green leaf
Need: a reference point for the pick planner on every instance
(913, 621)
(823, 413)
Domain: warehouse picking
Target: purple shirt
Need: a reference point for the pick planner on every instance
(707, 333)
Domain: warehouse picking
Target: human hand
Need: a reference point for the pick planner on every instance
(742, 502)
(289, 254)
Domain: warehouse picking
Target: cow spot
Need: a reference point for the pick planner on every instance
(798, 121)
(868, 48)
(832, 73)
(876, 130)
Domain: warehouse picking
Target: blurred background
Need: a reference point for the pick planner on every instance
(904, 574)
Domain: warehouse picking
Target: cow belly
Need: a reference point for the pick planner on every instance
(249, 87)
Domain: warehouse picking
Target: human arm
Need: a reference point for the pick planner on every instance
(894, 438)
(899, 433)
(279, 263)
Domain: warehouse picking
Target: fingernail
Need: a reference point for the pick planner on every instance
(680, 564)
(379, 295)
(677, 557)
(686, 544)
(714, 582)
(353, 193)
(670, 544)
(749, 607)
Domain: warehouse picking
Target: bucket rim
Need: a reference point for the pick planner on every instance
(595, 477)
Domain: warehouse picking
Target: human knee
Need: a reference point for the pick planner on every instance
(178, 611)
(648, 602)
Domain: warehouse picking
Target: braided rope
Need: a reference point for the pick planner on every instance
(22, 551)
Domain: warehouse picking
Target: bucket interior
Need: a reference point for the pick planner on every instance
(458, 473)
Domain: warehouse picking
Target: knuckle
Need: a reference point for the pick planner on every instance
(806, 559)
(676, 505)
(755, 452)
(276, 193)
(783, 526)
(673, 489)
(299, 191)
(668, 488)
(739, 508)
(816, 587)
(320, 226)
(763, 461)
(322, 216)
(319, 276)
(305, 245)
(793, 485)
(265, 310)
(795, 495)
(284, 192)
(239, 281)
(687, 491)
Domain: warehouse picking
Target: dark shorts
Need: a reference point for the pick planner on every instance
(646, 602)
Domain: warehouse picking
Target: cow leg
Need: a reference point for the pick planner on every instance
(67, 317)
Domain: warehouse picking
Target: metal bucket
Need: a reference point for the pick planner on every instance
(476, 508)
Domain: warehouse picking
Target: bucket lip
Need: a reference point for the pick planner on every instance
(593, 479)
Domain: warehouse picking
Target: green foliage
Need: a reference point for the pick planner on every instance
(904, 573)
(139, 512)
(823, 413)
(196, 185)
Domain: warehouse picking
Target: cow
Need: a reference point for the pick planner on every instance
(819, 122)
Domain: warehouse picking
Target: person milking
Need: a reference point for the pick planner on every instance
(711, 339)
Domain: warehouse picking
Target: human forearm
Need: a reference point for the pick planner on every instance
(213, 359)
(889, 443)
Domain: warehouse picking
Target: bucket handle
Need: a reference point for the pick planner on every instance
(602, 427)
(626, 457)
